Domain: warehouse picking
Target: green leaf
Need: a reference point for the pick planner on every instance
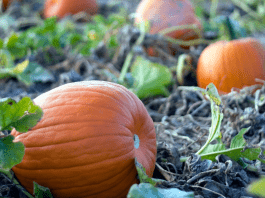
(212, 149)
(143, 176)
(145, 190)
(22, 115)
(150, 78)
(238, 143)
(238, 140)
(41, 192)
(20, 67)
(217, 116)
(1, 43)
(212, 93)
(11, 40)
(16, 48)
(49, 25)
(235, 150)
(11, 153)
(99, 19)
(35, 73)
(73, 39)
(55, 41)
(6, 59)
(257, 188)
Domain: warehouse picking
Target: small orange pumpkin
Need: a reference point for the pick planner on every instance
(163, 14)
(84, 145)
(61, 8)
(229, 64)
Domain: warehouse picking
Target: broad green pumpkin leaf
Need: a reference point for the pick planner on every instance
(257, 187)
(11, 153)
(11, 40)
(20, 67)
(41, 191)
(49, 25)
(150, 78)
(17, 48)
(35, 73)
(22, 115)
(73, 39)
(146, 190)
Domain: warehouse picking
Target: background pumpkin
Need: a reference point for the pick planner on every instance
(61, 8)
(163, 14)
(6, 3)
(84, 146)
(229, 64)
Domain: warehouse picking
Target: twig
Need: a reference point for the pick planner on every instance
(208, 190)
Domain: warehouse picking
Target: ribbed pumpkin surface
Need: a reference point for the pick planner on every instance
(61, 8)
(84, 145)
(164, 14)
(229, 64)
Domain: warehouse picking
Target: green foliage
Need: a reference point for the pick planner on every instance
(21, 115)
(150, 78)
(257, 188)
(147, 187)
(146, 190)
(234, 152)
(59, 35)
(254, 19)
(11, 153)
(143, 177)
(34, 73)
(238, 147)
(41, 192)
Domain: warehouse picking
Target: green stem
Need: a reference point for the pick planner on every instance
(230, 28)
(182, 68)
(129, 57)
(213, 9)
(125, 67)
(212, 134)
(181, 27)
(189, 43)
(183, 159)
(247, 9)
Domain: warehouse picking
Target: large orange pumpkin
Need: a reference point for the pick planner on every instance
(84, 145)
(163, 14)
(61, 8)
(229, 64)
